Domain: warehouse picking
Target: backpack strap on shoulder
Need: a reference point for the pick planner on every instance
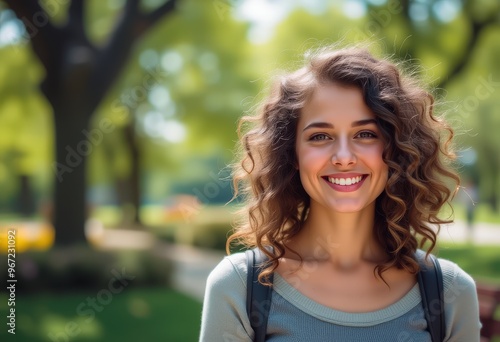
(258, 295)
(430, 282)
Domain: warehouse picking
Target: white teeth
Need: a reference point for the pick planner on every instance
(345, 181)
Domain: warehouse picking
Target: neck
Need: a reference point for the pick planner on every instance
(346, 240)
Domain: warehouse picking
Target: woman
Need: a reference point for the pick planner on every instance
(345, 169)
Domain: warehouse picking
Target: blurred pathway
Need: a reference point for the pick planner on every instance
(481, 234)
(193, 265)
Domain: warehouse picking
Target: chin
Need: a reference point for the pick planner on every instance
(346, 210)
(348, 207)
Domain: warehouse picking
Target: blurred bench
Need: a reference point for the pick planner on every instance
(489, 311)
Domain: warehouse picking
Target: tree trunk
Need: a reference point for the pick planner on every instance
(128, 189)
(78, 75)
(135, 175)
(72, 149)
(494, 194)
(26, 197)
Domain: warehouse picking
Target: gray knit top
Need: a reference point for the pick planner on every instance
(295, 317)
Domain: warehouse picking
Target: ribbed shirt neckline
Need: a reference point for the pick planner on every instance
(363, 319)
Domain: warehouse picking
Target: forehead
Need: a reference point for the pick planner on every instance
(333, 102)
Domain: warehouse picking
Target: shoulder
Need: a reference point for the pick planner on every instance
(231, 271)
(461, 303)
(455, 280)
(224, 316)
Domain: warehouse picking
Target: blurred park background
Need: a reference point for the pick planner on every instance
(118, 122)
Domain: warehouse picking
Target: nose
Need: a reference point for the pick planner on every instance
(343, 155)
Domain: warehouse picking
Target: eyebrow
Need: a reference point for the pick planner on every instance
(329, 125)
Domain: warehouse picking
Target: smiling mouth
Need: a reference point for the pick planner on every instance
(345, 181)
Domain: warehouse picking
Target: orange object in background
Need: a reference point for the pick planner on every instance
(30, 235)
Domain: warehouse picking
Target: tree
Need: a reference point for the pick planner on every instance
(475, 17)
(79, 73)
(204, 81)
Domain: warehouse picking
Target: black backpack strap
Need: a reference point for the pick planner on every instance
(258, 295)
(430, 281)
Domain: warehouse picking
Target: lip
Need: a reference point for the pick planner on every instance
(345, 188)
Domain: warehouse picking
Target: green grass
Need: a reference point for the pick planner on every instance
(156, 314)
(480, 261)
(483, 213)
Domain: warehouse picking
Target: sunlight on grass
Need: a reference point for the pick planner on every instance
(108, 215)
(137, 314)
(56, 326)
(480, 261)
(483, 213)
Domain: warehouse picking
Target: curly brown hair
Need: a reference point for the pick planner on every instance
(417, 153)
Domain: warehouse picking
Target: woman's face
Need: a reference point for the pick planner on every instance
(339, 150)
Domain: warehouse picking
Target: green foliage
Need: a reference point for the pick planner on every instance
(212, 236)
(135, 314)
(482, 213)
(207, 227)
(199, 63)
(474, 99)
(85, 268)
(25, 128)
(208, 74)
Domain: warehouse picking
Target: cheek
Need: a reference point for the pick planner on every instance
(373, 159)
(381, 165)
(374, 155)
(308, 165)
(309, 159)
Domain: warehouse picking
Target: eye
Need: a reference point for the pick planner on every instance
(319, 137)
(366, 135)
